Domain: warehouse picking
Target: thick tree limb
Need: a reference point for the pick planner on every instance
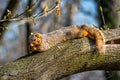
(64, 59)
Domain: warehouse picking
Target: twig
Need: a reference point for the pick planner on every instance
(33, 18)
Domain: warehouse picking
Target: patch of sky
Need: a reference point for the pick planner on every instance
(11, 33)
(87, 13)
(88, 6)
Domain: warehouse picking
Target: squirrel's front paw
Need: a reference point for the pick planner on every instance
(34, 44)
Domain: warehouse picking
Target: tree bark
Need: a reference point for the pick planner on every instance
(64, 59)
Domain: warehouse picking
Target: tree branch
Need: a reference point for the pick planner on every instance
(64, 59)
(33, 18)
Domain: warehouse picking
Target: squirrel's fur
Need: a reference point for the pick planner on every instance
(42, 42)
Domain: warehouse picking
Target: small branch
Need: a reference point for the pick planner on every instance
(26, 10)
(33, 18)
(48, 12)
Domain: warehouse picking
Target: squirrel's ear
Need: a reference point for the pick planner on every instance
(31, 33)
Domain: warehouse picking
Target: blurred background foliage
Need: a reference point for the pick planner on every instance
(14, 34)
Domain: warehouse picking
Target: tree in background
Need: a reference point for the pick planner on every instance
(111, 12)
(112, 17)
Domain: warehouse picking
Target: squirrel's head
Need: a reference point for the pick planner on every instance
(35, 42)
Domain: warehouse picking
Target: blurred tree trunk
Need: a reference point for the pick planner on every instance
(69, 14)
(28, 24)
(116, 13)
(112, 16)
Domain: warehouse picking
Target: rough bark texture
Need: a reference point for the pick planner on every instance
(64, 59)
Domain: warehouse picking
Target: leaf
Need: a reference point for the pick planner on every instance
(58, 12)
(101, 9)
(6, 28)
(58, 9)
(27, 7)
(118, 10)
(29, 11)
(9, 13)
(5, 17)
(45, 9)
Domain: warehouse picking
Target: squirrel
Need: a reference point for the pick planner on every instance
(42, 42)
